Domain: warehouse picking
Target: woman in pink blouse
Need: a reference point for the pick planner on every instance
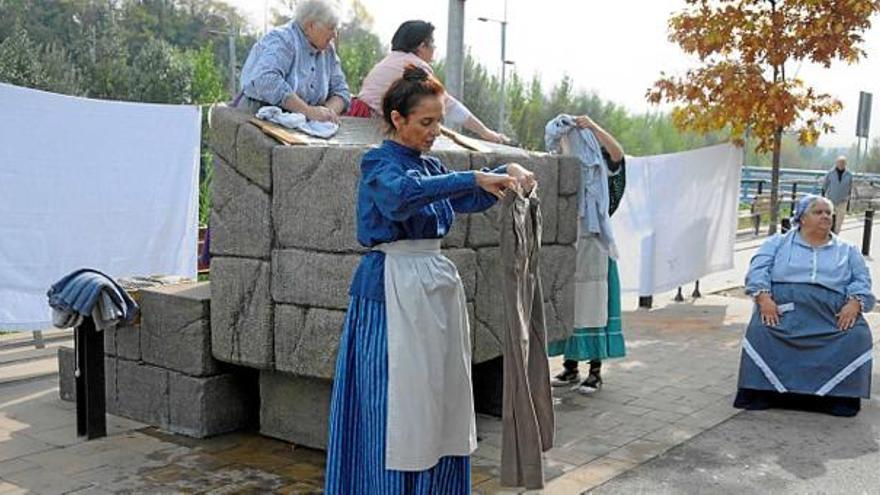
(413, 44)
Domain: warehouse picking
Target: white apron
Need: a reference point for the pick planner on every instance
(430, 397)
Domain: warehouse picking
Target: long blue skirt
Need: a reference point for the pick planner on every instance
(807, 353)
(358, 417)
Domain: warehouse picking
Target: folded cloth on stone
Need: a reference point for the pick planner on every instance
(298, 121)
(87, 292)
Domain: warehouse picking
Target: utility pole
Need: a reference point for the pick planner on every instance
(504, 64)
(455, 49)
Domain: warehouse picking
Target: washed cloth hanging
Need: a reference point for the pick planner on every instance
(86, 292)
(527, 407)
(593, 195)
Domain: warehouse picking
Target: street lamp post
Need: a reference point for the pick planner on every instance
(504, 63)
(232, 35)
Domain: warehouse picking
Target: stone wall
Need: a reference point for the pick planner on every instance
(284, 251)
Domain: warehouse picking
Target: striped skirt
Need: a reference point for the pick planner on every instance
(358, 417)
(586, 344)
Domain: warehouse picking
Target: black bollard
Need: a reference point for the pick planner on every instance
(866, 234)
(696, 294)
(646, 301)
(91, 402)
(785, 225)
(679, 297)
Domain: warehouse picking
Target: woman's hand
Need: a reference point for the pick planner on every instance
(495, 137)
(848, 314)
(584, 122)
(321, 114)
(524, 177)
(495, 184)
(769, 310)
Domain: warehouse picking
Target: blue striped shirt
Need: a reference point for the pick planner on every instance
(284, 62)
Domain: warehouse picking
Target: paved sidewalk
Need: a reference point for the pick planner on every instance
(676, 383)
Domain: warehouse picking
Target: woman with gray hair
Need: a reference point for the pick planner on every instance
(295, 67)
(807, 345)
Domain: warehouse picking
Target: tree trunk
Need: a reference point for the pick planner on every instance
(774, 182)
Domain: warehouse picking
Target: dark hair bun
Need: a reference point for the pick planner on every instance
(414, 74)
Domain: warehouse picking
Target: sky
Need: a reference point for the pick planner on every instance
(615, 48)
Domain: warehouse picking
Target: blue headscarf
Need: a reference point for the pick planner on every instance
(801, 207)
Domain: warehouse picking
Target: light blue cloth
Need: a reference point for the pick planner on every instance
(593, 195)
(82, 292)
(837, 265)
(837, 190)
(285, 62)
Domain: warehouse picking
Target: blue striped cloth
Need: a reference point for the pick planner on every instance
(358, 417)
(81, 292)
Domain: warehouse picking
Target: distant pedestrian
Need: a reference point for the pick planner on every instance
(838, 187)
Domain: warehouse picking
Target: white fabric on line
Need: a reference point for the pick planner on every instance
(101, 184)
(678, 217)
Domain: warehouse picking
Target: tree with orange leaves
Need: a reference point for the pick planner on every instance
(744, 47)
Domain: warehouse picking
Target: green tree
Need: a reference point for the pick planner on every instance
(359, 49)
(20, 60)
(161, 74)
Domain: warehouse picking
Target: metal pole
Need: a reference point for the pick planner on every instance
(646, 301)
(455, 49)
(503, 71)
(233, 84)
(866, 234)
(679, 297)
(696, 294)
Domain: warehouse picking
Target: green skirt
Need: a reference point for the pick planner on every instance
(587, 344)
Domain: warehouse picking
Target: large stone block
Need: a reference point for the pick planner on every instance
(569, 175)
(466, 262)
(295, 409)
(557, 275)
(142, 392)
(457, 236)
(308, 278)
(253, 157)
(314, 197)
(176, 328)
(110, 385)
(123, 341)
(486, 345)
(241, 224)
(204, 407)
(568, 220)
(306, 340)
(483, 229)
(458, 161)
(224, 130)
(241, 312)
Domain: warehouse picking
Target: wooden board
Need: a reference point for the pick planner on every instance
(462, 140)
(281, 134)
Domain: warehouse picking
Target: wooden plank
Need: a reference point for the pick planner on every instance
(462, 140)
(281, 134)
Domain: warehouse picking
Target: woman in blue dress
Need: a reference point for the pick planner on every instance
(808, 345)
(402, 419)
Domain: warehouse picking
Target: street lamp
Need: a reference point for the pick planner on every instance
(504, 62)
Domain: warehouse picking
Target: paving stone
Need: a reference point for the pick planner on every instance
(176, 328)
(295, 409)
(241, 223)
(253, 155)
(314, 198)
(308, 278)
(241, 312)
(306, 340)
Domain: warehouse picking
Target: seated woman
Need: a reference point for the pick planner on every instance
(413, 44)
(295, 67)
(807, 345)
